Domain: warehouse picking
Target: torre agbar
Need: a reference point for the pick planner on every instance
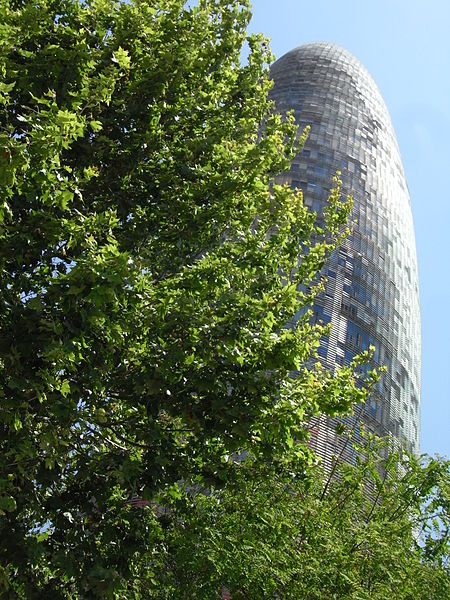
(371, 295)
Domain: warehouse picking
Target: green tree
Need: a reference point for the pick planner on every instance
(149, 267)
(376, 530)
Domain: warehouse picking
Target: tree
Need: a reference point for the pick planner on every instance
(149, 269)
(378, 529)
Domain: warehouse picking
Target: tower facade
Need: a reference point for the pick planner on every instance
(372, 293)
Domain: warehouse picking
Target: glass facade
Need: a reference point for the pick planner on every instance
(372, 293)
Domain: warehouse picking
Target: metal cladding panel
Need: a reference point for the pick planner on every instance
(372, 292)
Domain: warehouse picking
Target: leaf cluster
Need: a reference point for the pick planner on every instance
(150, 269)
(378, 528)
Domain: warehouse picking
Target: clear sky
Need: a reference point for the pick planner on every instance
(405, 45)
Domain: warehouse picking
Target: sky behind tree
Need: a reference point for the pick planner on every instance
(405, 45)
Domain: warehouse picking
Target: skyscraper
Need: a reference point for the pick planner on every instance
(372, 294)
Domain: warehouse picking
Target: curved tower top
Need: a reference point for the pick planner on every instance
(372, 293)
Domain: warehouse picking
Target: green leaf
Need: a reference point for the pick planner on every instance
(17, 422)
(189, 359)
(122, 58)
(65, 388)
(7, 504)
(95, 126)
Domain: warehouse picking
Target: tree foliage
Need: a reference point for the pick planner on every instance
(149, 268)
(378, 529)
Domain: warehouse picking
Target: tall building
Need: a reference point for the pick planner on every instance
(372, 293)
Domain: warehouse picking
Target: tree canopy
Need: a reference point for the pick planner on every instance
(149, 267)
(375, 529)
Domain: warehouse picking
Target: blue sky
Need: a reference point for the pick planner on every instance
(405, 45)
